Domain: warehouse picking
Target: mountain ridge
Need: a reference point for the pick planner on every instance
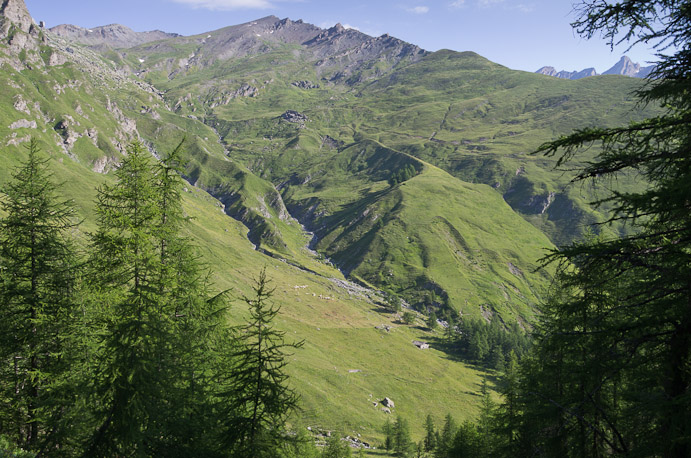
(625, 67)
(112, 35)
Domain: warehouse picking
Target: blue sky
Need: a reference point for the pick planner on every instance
(520, 34)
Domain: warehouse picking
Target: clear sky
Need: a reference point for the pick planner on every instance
(520, 34)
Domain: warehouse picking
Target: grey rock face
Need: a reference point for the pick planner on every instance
(113, 35)
(14, 12)
(624, 67)
(628, 68)
(551, 71)
(305, 85)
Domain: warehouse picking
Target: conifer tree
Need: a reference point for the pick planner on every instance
(628, 301)
(446, 437)
(152, 393)
(430, 434)
(258, 400)
(37, 280)
(402, 444)
(336, 448)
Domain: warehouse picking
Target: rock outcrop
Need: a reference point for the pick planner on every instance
(14, 12)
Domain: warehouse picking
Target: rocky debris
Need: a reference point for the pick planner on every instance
(355, 442)
(354, 371)
(305, 85)
(515, 270)
(295, 117)
(331, 143)
(383, 327)
(388, 403)
(21, 33)
(385, 410)
(421, 345)
(104, 164)
(23, 124)
(225, 97)
(150, 111)
(20, 105)
(487, 313)
(14, 140)
(128, 127)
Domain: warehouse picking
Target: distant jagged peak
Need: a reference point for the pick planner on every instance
(625, 67)
(14, 12)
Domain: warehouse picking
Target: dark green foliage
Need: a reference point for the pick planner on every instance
(430, 434)
(301, 446)
(150, 300)
(388, 435)
(408, 317)
(490, 344)
(257, 400)
(336, 448)
(432, 321)
(122, 365)
(611, 369)
(38, 276)
(136, 319)
(468, 442)
(392, 302)
(403, 174)
(402, 443)
(446, 437)
(9, 450)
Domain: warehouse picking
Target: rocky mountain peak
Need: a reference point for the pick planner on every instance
(14, 12)
(625, 67)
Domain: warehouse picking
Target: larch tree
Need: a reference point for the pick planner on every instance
(623, 331)
(38, 272)
(151, 390)
(257, 399)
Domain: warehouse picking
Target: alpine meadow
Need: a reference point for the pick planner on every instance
(283, 240)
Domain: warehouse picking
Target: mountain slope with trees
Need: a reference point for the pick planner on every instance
(335, 165)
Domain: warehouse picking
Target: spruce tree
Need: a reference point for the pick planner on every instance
(257, 399)
(446, 437)
(430, 434)
(37, 279)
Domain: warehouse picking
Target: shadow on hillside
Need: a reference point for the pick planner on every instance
(453, 353)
